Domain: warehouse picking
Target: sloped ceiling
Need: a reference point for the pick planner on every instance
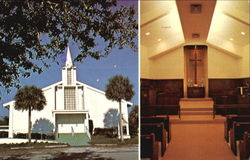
(222, 24)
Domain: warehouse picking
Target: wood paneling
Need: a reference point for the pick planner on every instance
(161, 92)
(226, 91)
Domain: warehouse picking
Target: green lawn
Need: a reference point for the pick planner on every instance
(104, 140)
(78, 139)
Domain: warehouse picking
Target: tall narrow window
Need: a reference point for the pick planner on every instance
(69, 98)
(69, 77)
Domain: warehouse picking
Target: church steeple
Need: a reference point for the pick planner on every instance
(69, 70)
(68, 63)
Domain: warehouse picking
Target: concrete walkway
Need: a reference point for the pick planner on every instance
(70, 153)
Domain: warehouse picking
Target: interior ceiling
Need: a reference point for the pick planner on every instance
(220, 24)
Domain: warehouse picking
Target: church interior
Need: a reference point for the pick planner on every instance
(195, 80)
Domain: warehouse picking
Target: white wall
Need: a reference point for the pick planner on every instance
(97, 105)
(244, 63)
(168, 66)
(59, 101)
(222, 65)
(20, 118)
(171, 65)
(144, 62)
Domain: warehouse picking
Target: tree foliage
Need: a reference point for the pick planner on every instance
(37, 30)
(133, 121)
(4, 120)
(119, 88)
(29, 97)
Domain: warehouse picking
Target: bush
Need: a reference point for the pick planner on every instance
(133, 122)
(108, 132)
(35, 136)
(3, 134)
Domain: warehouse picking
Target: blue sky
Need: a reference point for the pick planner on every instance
(92, 72)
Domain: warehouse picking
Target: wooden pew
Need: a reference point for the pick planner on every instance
(228, 124)
(153, 110)
(149, 147)
(158, 119)
(244, 147)
(236, 133)
(226, 109)
(158, 130)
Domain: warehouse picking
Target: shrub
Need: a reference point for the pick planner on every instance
(3, 134)
(133, 122)
(35, 136)
(108, 132)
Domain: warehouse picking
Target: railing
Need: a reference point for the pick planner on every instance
(4, 128)
(87, 131)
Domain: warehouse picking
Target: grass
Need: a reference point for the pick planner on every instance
(105, 140)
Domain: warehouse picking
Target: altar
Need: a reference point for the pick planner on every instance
(196, 92)
(196, 78)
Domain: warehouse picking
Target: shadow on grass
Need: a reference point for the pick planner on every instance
(80, 156)
(105, 140)
(62, 156)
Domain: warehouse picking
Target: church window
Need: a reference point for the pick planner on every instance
(69, 98)
(69, 77)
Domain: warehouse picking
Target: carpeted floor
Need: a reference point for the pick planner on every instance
(198, 142)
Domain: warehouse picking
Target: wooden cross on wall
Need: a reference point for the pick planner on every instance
(195, 60)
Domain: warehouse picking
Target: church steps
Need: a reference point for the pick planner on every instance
(196, 113)
(198, 119)
(197, 109)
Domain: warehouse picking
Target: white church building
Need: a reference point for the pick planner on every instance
(71, 106)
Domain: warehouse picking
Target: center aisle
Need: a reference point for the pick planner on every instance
(204, 141)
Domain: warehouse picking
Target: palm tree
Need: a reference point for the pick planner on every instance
(29, 98)
(119, 88)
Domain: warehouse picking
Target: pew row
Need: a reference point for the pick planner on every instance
(228, 124)
(236, 134)
(149, 147)
(244, 147)
(158, 119)
(158, 130)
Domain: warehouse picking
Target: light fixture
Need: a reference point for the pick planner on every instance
(147, 34)
(231, 39)
(243, 33)
(195, 35)
(159, 40)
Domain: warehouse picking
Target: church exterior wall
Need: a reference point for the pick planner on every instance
(19, 119)
(102, 111)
